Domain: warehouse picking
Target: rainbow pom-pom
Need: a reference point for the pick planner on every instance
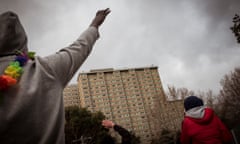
(14, 71)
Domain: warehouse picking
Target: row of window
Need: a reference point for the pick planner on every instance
(71, 98)
(119, 87)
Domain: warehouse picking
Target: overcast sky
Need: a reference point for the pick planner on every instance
(189, 40)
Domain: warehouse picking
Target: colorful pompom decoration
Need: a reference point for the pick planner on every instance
(14, 71)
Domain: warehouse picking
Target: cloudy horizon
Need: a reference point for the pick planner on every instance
(190, 41)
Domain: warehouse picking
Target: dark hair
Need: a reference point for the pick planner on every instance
(191, 102)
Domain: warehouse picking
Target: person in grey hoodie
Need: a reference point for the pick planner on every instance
(32, 111)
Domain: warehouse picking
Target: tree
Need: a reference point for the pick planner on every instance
(82, 126)
(229, 99)
(135, 139)
(210, 99)
(178, 93)
(167, 137)
(236, 27)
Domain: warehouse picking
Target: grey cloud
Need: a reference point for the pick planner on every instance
(188, 40)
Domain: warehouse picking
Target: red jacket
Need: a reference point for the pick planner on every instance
(207, 129)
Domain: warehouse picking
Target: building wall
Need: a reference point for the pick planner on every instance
(133, 98)
(71, 96)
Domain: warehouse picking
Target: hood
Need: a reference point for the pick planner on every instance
(201, 114)
(12, 35)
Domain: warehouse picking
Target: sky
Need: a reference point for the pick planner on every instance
(190, 41)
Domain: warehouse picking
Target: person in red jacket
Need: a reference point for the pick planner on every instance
(201, 125)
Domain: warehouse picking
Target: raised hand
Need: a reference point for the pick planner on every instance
(100, 17)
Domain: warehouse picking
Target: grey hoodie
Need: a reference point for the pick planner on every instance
(196, 112)
(32, 111)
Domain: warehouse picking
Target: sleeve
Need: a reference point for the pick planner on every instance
(185, 138)
(225, 133)
(125, 134)
(67, 61)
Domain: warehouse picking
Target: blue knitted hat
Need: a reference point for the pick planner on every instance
(191, 102)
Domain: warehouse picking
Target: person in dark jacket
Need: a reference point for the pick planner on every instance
(201, 125)
(125, 134)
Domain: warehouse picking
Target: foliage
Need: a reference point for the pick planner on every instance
(167, 137)
(236, 27)
(181, 93)
(229, 99)
(134, 139)
(82, 126)
(178, 93)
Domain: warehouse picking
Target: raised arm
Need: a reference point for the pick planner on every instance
(67, 61)
(126, 135)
